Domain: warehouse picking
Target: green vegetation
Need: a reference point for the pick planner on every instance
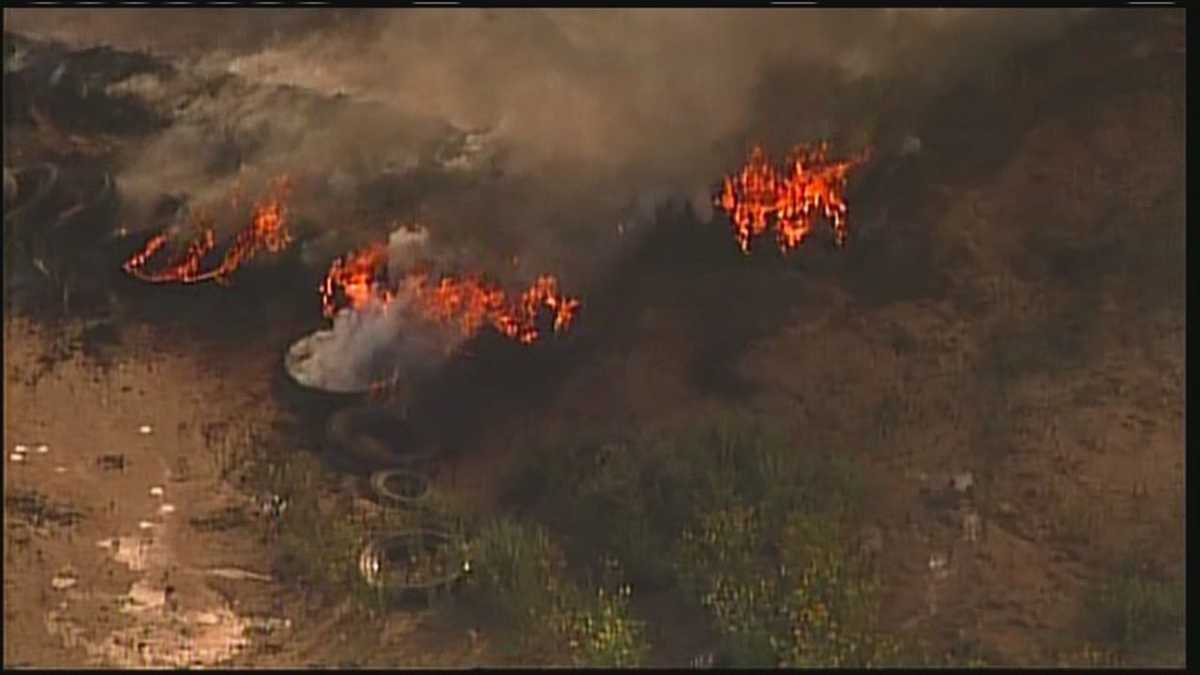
(732, 517)
(1134, 608)
(319, 549)
(521, 580)
(729, 518)
(811, 604)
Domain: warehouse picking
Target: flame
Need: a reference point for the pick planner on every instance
(790, 198)
(472, 302)
(267, 230)
(358, 276)
(467, 303)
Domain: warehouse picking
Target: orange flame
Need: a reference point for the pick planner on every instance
(267, 230)
(789, 198)
(357, 276)
(469, 303)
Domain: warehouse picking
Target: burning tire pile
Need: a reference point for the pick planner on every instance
(395, 318)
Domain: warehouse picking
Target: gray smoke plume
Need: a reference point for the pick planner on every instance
(593, 113)
(374, 345)
(527, 141)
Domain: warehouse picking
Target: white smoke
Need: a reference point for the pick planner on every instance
(375, 344)
(379, 342)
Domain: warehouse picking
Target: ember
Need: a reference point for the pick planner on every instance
(469, 303)
(761, 195)
(267, 230)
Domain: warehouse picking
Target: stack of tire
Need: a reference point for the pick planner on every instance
(377, 440)
(58, 226)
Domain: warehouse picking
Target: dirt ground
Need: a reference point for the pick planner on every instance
(1033, 343)
(122, 545)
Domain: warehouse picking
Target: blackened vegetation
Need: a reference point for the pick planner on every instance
(75, 86)
(37, 510)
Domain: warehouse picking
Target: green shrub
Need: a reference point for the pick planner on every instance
(808, 604)
(730, 514)
(600, 631)
(318, 549)
(520, 576)
(633, 500)
(1132, 608)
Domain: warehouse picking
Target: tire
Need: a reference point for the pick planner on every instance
(379, 483)
(17, 222)
(350, 439)
(374, 563)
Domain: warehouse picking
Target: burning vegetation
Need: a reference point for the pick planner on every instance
(789, 198)
(267, 230)
(467, 302)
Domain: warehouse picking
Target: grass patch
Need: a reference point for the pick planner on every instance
(1134, 610)
(729, 515)
(521, 582)
(789, 597)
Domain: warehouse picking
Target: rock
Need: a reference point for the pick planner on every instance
(143, 596)
(64, 580)
(963, 482)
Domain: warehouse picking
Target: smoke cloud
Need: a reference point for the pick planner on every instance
(583, 121)
(375, 345)
(597, 111)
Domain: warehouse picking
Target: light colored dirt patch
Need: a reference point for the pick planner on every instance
(115, 446)
(95, 593)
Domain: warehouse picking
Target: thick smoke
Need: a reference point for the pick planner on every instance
(380, 342)
(595, 109)
(374, 345)
(589, 118)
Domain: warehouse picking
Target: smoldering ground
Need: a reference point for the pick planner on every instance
(593, 116)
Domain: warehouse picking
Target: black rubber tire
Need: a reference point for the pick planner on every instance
(19, 219)
(61, 246)
(399, 590)
(379, 483)
(349, 441)
(312, 402)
